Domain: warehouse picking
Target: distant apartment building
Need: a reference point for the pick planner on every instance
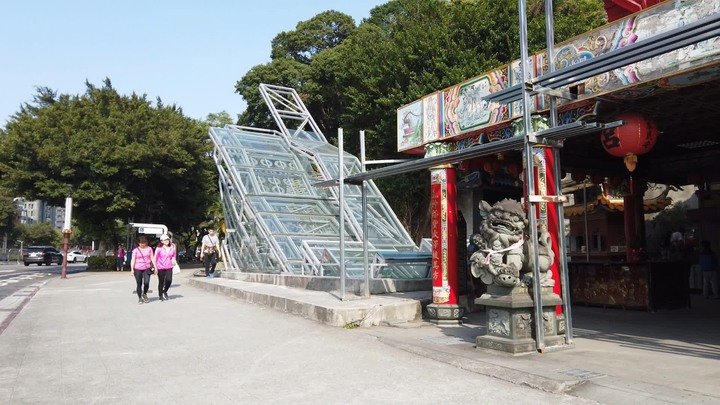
(36, 211)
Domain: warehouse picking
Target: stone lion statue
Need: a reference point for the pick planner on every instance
(504, 256)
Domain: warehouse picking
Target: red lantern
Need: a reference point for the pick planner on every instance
(488, 166)
(636, 137)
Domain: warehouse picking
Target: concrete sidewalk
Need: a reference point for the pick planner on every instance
(87, 338)
(618, 356)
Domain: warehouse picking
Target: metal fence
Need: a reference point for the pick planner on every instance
(11, 256)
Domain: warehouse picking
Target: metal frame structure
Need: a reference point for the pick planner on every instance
(277, 222)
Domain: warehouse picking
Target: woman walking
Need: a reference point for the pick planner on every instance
(141, 265)
(119, 258)
(164, 261)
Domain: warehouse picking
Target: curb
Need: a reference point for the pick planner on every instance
(483, 368)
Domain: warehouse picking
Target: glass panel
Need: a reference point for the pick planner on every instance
(271, 223)
(284, 183)
(276, 162)
(246, 178)
(237, 156)
(305, 135)
(288, 248)
(309, 226)
(296, 206)
(276, 211)
(259, 203)
(273, 144)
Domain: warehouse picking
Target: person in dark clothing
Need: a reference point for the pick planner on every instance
(709, 266)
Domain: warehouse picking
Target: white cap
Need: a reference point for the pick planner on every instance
(164, 237)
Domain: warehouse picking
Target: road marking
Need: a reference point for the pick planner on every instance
(17, 310)
(19, 277)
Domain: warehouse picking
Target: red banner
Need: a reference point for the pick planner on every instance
(443, 207)
(547, 213)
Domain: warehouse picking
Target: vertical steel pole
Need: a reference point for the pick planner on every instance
(66, 234)
(530, 178)
(366, 261)
(341, 206)
(585, 218)
(562, 247)
(550, 46)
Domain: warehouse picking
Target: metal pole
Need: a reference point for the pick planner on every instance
(366, 261)
(66, 235)
(66, 242)
(562, 248)
(21, 250)
(585, 217)
(550, 46)
(530, 178)
(341, 206)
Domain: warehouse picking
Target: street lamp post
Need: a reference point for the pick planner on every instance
(66, 235)
(20, 256)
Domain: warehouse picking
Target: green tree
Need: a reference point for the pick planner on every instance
(292, 54)
(9, 216)
(118, 156)
(41, 233)
(281, 72)
(403, 51)
(324, 31)
(219, 119)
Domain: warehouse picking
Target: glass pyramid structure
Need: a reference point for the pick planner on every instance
(277, 221)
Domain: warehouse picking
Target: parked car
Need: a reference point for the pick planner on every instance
(41, 255)
(75, 256)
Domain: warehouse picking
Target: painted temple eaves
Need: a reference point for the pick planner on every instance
(461, 114)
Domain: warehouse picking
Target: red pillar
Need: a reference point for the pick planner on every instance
(444, 242)
(547, 213)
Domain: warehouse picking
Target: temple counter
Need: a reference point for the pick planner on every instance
(648, 285)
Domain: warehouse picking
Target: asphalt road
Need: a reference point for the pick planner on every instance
(15, 277)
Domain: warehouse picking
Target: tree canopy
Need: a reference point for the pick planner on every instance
(120, 158)
(41, 233)
(8, 216)
(356, 78)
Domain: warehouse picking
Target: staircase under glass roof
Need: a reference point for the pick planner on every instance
(278, 222)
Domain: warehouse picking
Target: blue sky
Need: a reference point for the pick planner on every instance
(187, 52)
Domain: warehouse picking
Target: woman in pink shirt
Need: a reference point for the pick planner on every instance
(164, 260)
(119, 258)
(141, 265)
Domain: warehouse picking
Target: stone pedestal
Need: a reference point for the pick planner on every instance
(510, 319)
(445, 314)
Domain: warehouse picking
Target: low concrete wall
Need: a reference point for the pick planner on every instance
(334, 312)
(377, 286)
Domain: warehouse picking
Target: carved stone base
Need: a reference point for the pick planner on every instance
(510, 320)
(446, 314)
